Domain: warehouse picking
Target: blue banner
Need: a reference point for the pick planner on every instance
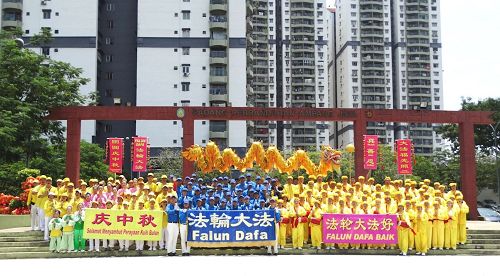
(231, 228)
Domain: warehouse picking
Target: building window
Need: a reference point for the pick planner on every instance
(109, 58)
(203, 86)
(185, 86)
(175, 141)
(109, 75)
(110, 24)
(46, 14)
(108, 128)
(186, 32)
(108, 92)
(203, 122)
(56, 31)
(110, 7)
(57, 14)
(27, 31)
(175, 122)
(185, 51)
(185, 69)
(203, 141)
(186, 15)
(27, 13)
(45, 51)
(108, 41)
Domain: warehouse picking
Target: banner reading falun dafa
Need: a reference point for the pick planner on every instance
(123, 224)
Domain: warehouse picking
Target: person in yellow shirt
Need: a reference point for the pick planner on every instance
(48, 208)
(330, 208)
(288, 187)
(411, 214)
(139, 245)
(420, 227)
(77, 200)
(285, 221)
(124, 244)
(462, 219)
(164, 234)
(32, 198)
(55, 227)
(307, 207)
(404, 226)
(428, 211)
(450, 226)
(298, 215)
(316, 217)
(439, 215)
(157, 188)
(41, 215)
(343, 209)
(63, 204)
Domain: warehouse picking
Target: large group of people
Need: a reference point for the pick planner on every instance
(430, 214)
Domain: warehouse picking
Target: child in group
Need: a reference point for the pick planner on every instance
(79, 218)
(68, 224)
(55, 232)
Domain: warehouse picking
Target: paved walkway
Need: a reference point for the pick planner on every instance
(15, 230)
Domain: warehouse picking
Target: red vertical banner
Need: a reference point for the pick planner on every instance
(140, 154)
(115, 151)
(370, 152)
(404, 158)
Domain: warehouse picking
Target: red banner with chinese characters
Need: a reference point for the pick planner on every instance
(404, 158)
(115, 157)
(356, 229)
(370, 152)
(140, 154)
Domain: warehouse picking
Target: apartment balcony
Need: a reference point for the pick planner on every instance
(218, 60)
(219, 97)
(312, 101)
(218, 25)
(218, 42)
(250, 7)
(218, 134)
(12, 24)
(369, 2)
(250, 90)
(218, 79)
(12, 4)
(218, 6)
(295, 8)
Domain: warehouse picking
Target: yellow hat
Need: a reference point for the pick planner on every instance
(371, 179)
(52, 194)
(170, 185)
(43, 177)
(300, 177)
(344, 177)
(151, 194)
(140, 201)
(290, 177)
(312, 177)
(164, 177)
(71, 184)
(125, 203)
(453, 184)
(427, 181)
(66, 179)
(64, 194)
(361, 177)
(150, 174)
(280, 201)
(146, 187)
(387, 178)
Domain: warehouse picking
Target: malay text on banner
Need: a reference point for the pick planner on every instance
(231, 228)
(360, 229)
(140, 154)
(122, 224)
(404, 158)
(370, 152)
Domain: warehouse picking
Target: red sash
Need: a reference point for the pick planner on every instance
(285, 220)
(316, 221)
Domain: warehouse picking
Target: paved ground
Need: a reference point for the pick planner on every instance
(261, 265)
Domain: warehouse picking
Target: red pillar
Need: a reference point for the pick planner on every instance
(73, 149)
(468, 167)
(359, 131)
(187, 141)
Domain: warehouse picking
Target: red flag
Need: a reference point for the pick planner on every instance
(115, 147)
(404, 158)
(140, 154)
(370, 151)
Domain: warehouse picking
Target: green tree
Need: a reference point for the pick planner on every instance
(483, 134)
(168, 162)
(31, 84)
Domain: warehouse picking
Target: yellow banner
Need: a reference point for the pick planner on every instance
(122, 224)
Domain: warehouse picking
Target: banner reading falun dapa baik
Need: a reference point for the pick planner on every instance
(122, 224)
(231, 228)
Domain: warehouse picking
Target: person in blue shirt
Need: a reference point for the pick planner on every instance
(199, 205)
(172, 210)
(249, 180)
(246, 204)
(211, 205)
(241, 183)
(216, 200)
(277, 219)
(232, 185)
(183, 224)
(223, 205)
(184, 195)
(218, 190)
(235, 205)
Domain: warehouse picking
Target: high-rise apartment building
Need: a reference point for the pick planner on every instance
(290, 68)
(12, 11)
(388, 55)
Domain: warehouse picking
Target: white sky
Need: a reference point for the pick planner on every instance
(470, 34)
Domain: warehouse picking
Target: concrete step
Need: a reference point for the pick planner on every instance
(24, 249)
(24, 243)
(484, 236)
(471, 231)
(238, 252)
(22, 234)
(21, 239)
(483, 241)
(480, 246)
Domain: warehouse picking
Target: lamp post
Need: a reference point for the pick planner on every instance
(350, 149)
(495, 148)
